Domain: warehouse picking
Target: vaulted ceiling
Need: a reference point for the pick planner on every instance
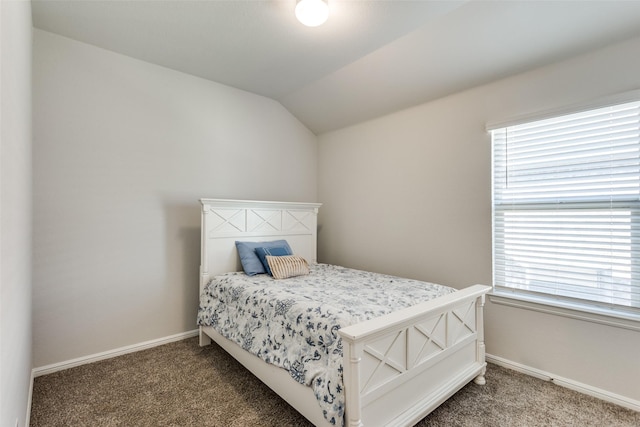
(372, 57)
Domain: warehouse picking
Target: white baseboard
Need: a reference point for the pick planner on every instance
(565, 382)
(55, 367)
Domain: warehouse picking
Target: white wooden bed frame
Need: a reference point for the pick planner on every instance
(397, 368)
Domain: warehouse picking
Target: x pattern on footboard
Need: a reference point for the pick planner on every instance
(423, 345)
(400, 351)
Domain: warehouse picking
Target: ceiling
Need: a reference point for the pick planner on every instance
(371, 58)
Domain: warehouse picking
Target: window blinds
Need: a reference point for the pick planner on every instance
(566, 205)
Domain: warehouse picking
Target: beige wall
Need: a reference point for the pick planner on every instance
(123, 150)
(15, 212)
(409, 194)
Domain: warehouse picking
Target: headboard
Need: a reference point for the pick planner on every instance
(225, 221)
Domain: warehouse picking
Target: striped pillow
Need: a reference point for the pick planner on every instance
(286, 266)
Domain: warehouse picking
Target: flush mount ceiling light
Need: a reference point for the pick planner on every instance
(312, 12)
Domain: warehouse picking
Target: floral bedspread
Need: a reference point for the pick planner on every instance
(293, 323)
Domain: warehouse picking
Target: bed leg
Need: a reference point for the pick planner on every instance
(204, 339)
(480, 379)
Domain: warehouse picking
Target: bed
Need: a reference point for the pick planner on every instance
(396, 367)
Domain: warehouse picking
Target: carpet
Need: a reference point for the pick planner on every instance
(182, 384)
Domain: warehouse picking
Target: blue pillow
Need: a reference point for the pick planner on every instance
(275, 251)
(249, 259)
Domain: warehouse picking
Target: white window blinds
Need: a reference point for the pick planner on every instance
(566, 207)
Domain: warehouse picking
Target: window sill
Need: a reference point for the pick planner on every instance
(619, 319)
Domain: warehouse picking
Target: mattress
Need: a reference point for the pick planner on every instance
(293, 323)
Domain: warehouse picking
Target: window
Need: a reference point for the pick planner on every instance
(566, 208)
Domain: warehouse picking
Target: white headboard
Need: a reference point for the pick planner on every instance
(225, 221)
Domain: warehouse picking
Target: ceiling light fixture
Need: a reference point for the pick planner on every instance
(312, 12)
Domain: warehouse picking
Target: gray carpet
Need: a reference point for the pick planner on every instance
(182, 384)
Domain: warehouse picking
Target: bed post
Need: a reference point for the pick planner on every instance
(480, 351)
(351, 378)
(204, 271)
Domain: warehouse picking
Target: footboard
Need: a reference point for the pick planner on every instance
(400, 367)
